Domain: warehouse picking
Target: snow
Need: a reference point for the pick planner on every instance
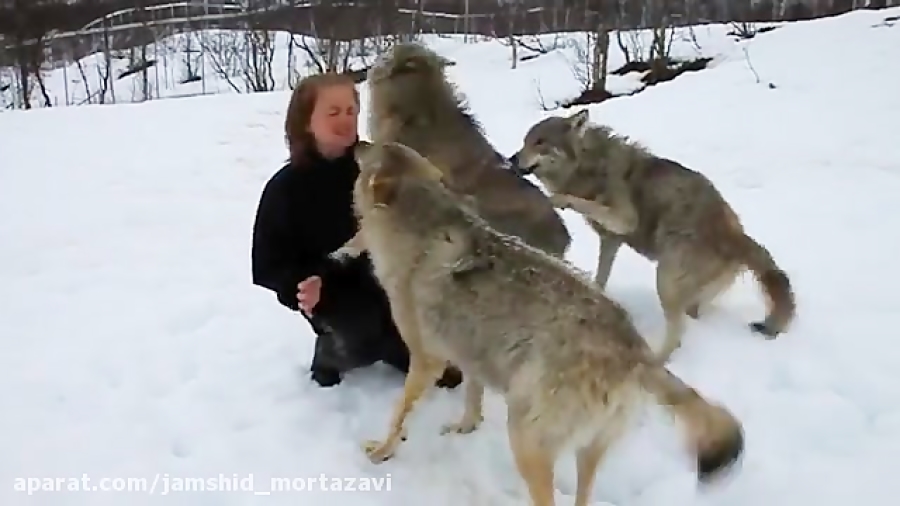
(134, 345)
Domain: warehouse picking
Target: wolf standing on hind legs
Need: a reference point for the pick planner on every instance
(661, 209)
(413, 102)
(568, 360)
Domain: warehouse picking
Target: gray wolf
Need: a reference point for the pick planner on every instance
(569, 362)
(663, 210)
(413, 102)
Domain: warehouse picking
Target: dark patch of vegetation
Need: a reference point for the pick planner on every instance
(589, 96)
(662, 73)
(747, 32)
(656, 72)
(887, 22)
(639, 66)
(138, 67)
(192, 79)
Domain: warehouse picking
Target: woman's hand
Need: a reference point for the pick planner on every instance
(308, 292)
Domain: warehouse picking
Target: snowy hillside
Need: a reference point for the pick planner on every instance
(133, 346)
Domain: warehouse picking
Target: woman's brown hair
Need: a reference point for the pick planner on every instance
(301, 106)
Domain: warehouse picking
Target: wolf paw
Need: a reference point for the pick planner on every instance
(464, 426)
(344, 255)
(378, 451)
(765, 330)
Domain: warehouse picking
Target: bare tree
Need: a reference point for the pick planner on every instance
(223, 49)
(600, 61)
(591, 57)
(258, 52)
(509, 10)
(105, 73)
(139, 61)
(590, 67)
(88, 97)
(326, 52)
(663, 33)
(31, 26)
(7, 80)
(103, 69)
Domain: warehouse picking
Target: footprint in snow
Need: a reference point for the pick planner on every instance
(180, 449)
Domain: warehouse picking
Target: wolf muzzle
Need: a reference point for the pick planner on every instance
(517, 168)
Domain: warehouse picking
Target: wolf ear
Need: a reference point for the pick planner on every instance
(579, 120)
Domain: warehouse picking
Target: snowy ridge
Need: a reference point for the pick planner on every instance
(133, 344)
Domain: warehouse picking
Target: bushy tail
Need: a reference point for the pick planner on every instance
(715, 434)
(775, 284)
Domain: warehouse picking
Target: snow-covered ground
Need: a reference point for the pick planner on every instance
(132, 344)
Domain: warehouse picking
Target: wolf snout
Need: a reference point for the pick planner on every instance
(517, 168)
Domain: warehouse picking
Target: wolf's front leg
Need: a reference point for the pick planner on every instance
(350, 250)
(423, 372)
(472, 415)
(618, 221)
(609, 248)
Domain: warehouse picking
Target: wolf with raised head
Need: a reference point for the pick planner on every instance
(663, 210)
(569, 362)
(413, 102)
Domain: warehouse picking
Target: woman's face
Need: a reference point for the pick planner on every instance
(334, 119)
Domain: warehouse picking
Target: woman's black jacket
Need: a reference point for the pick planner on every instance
(305, 212)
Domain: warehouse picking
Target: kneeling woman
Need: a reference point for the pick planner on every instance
(305, 212)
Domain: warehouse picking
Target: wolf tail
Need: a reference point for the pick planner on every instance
(715, 434)
(775, 284)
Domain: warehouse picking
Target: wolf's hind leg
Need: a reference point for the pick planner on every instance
(472, 415)
(687, 278)
(534, 461)
(588, 458)
(675, 292)
(708, 293)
